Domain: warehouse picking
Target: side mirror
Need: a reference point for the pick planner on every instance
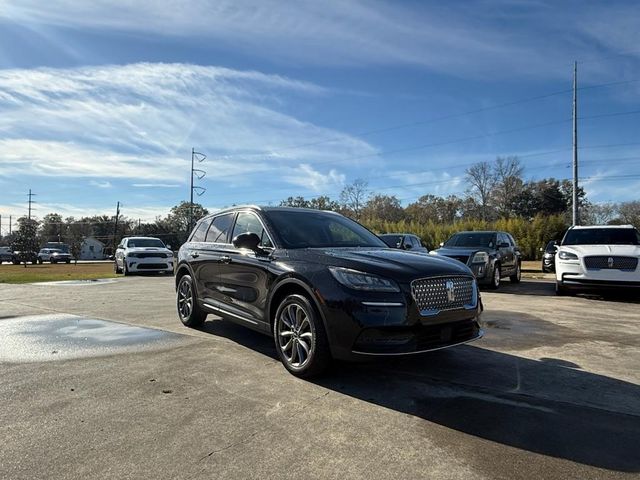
(168, 247)
(247, 240)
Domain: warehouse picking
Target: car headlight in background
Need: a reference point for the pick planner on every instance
(567, 255)
(480, 257)
(363, 281)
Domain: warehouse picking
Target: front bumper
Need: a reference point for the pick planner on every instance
(150, 264)
(365, 324)
(576, 275)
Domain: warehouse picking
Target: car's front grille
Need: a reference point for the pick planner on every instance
(151, 255)
(152, 266)
(604, 262)
(461, 258)
(437, 294)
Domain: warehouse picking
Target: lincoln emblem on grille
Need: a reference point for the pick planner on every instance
(610, 262)
(451, 293)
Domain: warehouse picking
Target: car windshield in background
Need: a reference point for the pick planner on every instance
(305, 229)
(145, 242)
(391, 240)
(472, 240)
(602, 236)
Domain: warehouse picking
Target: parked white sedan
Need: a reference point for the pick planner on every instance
(143, 254)
(598, 256)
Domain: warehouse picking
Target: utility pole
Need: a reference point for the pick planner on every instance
(9, 224)
(199, 174)
(30, 202)
(576, 215)
(115, 228)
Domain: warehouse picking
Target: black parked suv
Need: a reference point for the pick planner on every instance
(404, 241)
(490, 255)
(323, 286)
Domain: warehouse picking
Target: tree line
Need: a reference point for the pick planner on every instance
(497, 197)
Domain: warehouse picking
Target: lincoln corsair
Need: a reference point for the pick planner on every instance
(323, 286)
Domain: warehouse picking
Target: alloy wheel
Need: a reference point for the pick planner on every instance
(185, 300)
(295, 334)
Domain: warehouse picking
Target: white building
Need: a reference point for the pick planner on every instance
(92, 249)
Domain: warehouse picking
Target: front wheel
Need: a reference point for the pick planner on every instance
(515, 278)
(188, 309)
(300, 337)
(561, 291)
(116, 268)
(495, 279)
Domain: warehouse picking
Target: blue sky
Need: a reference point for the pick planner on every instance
(102, 101)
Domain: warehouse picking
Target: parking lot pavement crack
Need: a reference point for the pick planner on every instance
(268, 426)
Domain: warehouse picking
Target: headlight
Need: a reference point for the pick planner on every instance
(567, 255)
(480, 257)
(363, 281)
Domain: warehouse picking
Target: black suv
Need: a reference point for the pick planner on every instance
(404, 241)
(323, 286)
(490, 255)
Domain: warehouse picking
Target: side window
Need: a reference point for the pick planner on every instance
(416, 242)
(201, 231)
(249, 223)
(220, 228)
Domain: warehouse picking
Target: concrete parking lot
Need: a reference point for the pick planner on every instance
(102, 381)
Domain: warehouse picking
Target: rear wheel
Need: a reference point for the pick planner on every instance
(300, 337)
(515, 278)
(190, 313)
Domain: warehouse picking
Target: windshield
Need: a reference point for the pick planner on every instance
(304, 229)
(392, 240)
(472, 239)
(602, 236)
(145, 242)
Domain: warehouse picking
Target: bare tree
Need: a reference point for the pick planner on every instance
(508, 185)
(630, 213)
(353, 197)
(481, 183)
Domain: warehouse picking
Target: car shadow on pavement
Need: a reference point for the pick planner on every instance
(546, 407)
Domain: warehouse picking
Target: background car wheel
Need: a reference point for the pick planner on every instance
(188, 310)
(560, 290)
(40, 261)
(116, 268)
(495, 279)
(125, 269)
(300, 337)
(515, 278)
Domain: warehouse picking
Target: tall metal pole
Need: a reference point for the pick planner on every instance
(30, 195)
(115, 228)
(10, 224)
(576, 216)
(193, 152)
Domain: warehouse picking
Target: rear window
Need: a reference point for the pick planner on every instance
(602, 236)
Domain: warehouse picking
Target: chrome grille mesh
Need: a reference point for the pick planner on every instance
(432, 296)
(601, 262)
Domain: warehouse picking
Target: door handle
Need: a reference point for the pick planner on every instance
(224, 259)
(195, 255)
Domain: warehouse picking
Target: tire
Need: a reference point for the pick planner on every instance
(125, 270)
(189, 312)
(116, 268)
(496, 276)
(515, 278)
(561, 291)
(67, 261)
(40, 261)
(53, 261)
(298, 329)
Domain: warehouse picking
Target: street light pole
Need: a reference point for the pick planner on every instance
(576, 213)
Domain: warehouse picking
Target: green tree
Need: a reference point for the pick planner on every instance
(26, 241)
(383, 207)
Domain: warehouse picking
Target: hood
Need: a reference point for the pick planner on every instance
(148, 249)
(588, 250)
(459, 251)
(398, 264)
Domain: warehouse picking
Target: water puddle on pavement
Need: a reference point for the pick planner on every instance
(39, 338)
(95, 281)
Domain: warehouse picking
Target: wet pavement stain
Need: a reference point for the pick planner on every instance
(57, 337)
(75, 283)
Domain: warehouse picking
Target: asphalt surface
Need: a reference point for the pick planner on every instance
(102, 381)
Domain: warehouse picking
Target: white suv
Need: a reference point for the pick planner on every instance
(143, 254)
(598, 256)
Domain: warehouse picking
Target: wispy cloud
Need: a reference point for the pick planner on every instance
(308, 177)
(155, 185)
(479, 38)
(95, 183)
(139, 121)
